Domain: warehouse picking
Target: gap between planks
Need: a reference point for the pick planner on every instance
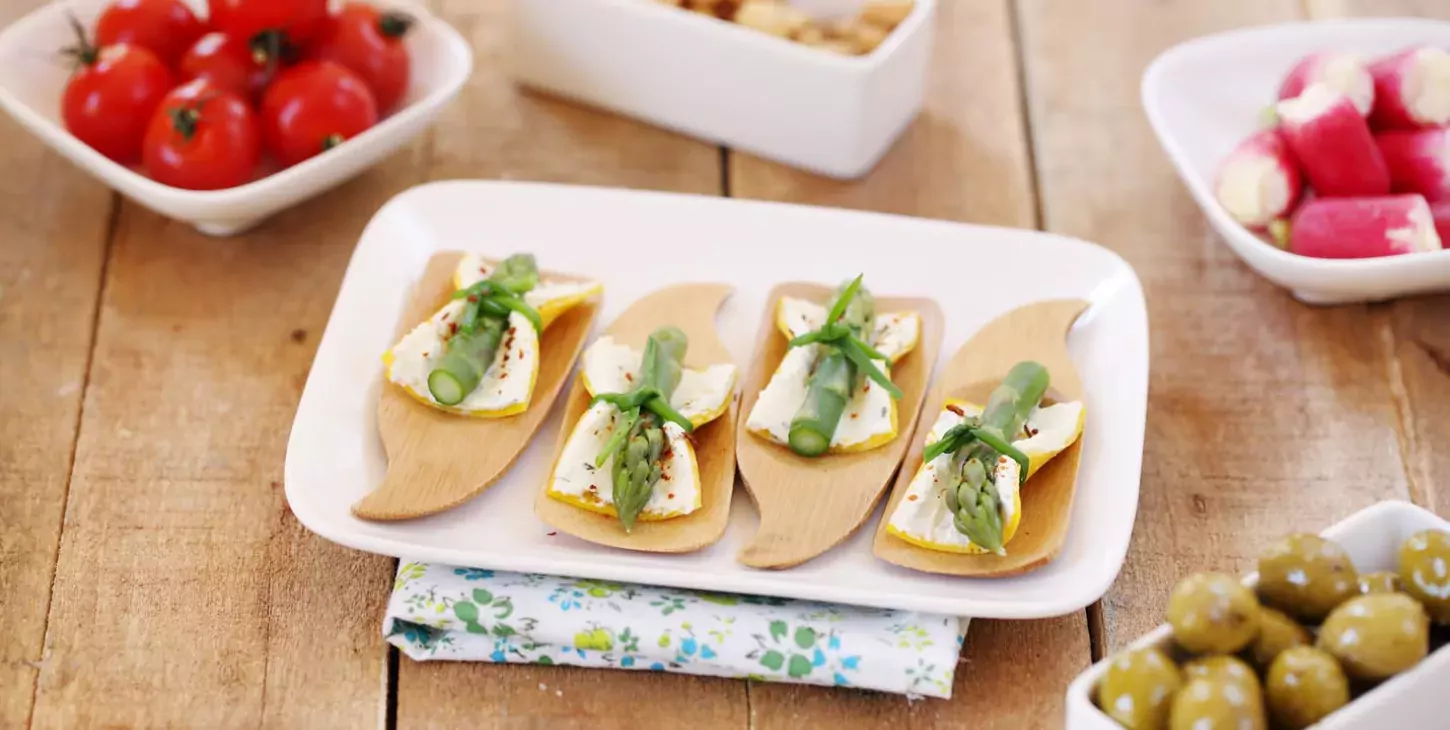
(112, 221)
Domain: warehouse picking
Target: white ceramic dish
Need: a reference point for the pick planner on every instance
(33, 75)
(1412, 701)
(730, 85)
(1204, 96)
(334, 455)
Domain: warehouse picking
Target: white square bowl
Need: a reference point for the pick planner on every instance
(1417, 699)
(334, 455)
(1204, 96)
(727, 84)
(33, 75)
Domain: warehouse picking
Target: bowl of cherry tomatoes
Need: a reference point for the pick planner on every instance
(222, 112)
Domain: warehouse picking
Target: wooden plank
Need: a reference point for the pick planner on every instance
(53, 222)
(965, 158)
(1265, 415)
(1417, 330)
(495, 131)
(186, 593)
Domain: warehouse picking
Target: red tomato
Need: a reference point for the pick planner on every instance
(109, 99)
(164, 27)
(313, 107)
(228, 62)
(202, 137)
(297, 19)
(370, 43)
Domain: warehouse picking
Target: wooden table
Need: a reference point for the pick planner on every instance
(153, 575)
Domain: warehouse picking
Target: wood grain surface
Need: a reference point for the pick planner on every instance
(148, 375)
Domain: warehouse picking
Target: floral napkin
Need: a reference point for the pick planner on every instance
(469, 614)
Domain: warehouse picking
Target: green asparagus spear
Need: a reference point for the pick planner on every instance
(638, 452)
(846, 358)
(471, 350)
(977, 444)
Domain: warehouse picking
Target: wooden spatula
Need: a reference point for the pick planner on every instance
(692, 308)
(1034, 332)
(437, 460)
(809, 505)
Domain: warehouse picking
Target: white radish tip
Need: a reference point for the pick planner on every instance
(1425, 86)
(1314, 102)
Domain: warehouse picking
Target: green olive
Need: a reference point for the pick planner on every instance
(1306, 576)
(1377, 636)
(1277, 632)
(1305, 685)
(1213, 613)
(1222, 668)
(1425, 571)
(1215, 703)
(1138, 688)
(1381, 582)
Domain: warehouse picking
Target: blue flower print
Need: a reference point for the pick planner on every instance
(851, 662)
(840, 680)
(819, 658)
(835, 643)
(688, 646)
(706, 652)
(473, 573)
(658, 667)
(626, 661)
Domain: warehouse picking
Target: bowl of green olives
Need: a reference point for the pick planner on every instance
(1345, 630)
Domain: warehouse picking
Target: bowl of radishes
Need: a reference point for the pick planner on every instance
(1319, 151)
(222, 112)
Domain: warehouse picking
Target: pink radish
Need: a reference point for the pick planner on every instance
(1333, 144)
(1259, 181)
(1411, 89)
(1345, 72)
(1419, 161)
(1360, 228)
(1440, 212)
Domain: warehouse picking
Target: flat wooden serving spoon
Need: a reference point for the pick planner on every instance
(1034, 332)
(809, 505)
(692, 308)
(438, 460)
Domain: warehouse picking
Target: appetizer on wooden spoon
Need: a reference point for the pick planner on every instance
(479, 355)
(832, 392)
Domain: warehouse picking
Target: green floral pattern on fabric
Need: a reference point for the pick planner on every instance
(472, 614)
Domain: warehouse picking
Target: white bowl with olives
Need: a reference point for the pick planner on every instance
(1344, 630)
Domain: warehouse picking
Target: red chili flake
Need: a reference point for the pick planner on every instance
(425, 353)
(628, 378)
(511, 331)
(503, 376)
(1031, 432)
(671, 495)
(855, 415)
(954, 408)
(552, 533)
(911, 497)
(472, 297)
(521, 353)
(665, 477)
(452, 328)
(593, 488)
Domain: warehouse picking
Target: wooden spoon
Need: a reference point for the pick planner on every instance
(809, 505)
(438, 460)
(692, 308)
(1034, 332)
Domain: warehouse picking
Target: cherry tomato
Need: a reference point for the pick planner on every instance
(202, 137)
(164, 27)
(369, 43)
(109, 99)
(313, 107)
(298, 20)
(228, 62)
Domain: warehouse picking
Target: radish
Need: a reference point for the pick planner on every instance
(1440, 212)
(1360, 228)
(1259, 181)
(1333, 144)
(1345, 72)
(1411, 89)
(1419, 161)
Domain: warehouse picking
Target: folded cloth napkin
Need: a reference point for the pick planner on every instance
(470, 614)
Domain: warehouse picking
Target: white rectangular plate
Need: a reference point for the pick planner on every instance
(636, 242)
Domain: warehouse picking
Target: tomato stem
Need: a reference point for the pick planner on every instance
(332, 140)
(270, 48)
(83, 51)
(184, 119)
(395, 24)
